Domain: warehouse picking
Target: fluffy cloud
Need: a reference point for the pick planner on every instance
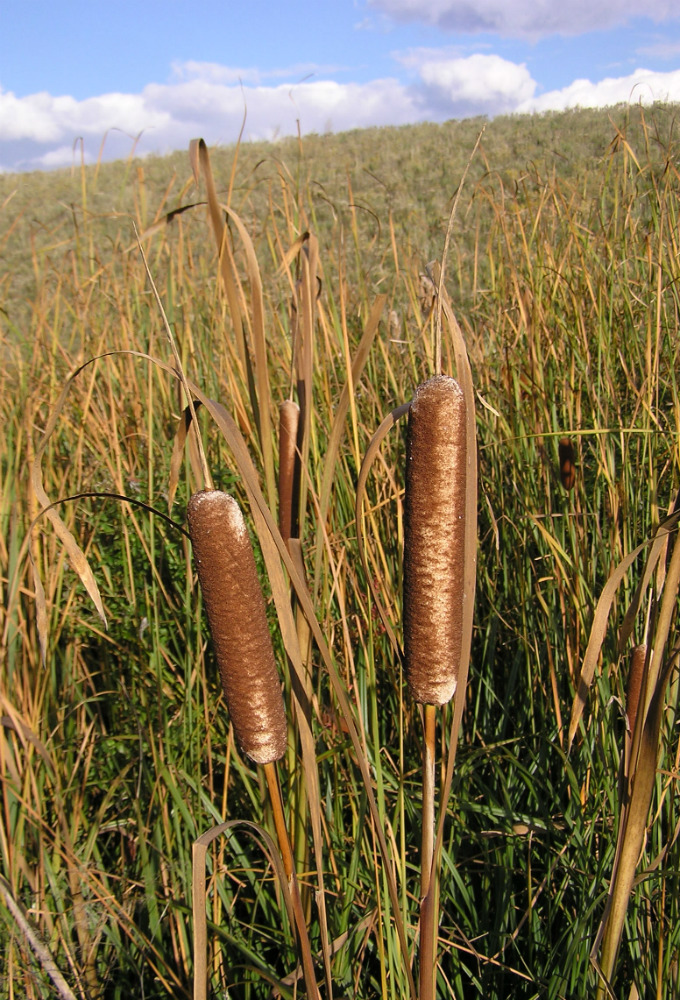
(198, 101)
(525, 18)
(479, 84)
(41, 131)
(642, 86)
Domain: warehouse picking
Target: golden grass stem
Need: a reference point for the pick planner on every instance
(445, 254)
(276, 799)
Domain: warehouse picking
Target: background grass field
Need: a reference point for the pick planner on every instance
(117, 753)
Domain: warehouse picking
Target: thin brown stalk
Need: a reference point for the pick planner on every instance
(428, 929)
(274, 788)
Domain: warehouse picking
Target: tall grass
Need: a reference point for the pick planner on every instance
(117, 754)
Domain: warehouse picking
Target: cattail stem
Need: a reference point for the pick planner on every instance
(274, 788)
(427, 842)
(276, 799)
(428, 907)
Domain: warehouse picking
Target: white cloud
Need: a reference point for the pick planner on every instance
(479, 84)
(195, 103)
(525, 18)
(43, 118)
(643, 85)
(39, 131)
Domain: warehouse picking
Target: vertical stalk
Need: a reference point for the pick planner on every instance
(428, 901)
(272, 777)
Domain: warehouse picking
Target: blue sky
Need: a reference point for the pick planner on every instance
(168, 72)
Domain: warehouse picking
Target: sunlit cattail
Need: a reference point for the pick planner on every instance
(434, 539)
(238, 624)
(289, 419)
(637, 670)
(567, 466)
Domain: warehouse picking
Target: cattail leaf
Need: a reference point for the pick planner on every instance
(76, 555)
(633, 829)
(260, 351)
(657, 552)
(162, 224)
(181, 435)
(200, 163)
(599, 627)
(291, 253)
(598, 631)
(199, 854)
(303, 352)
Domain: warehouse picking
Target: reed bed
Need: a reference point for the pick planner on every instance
(118, 754)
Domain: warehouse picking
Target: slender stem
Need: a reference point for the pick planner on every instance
(428, 887)
(272, 777)
(427, 843)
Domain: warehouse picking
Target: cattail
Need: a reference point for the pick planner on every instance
(434, 539)
(567, 466)
(289, 419)
(238, 624)
(637, 670)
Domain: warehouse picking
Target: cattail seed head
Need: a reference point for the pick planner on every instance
(238, 624)
(567, 466)
(434, 539)
(289, 419)
(637, 670)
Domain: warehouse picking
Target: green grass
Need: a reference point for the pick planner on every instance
(117, 754)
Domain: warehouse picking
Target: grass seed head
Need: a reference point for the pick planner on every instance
(238, 624)
(567, 463)
(434, 539)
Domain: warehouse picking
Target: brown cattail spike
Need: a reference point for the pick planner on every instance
(567, 466)
(637, 670)
(434, 539)
(289, 419)
(238, 624)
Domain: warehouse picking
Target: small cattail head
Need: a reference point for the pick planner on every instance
(289, 419)
(567, 463)
(434, 539)
(238, 624)
(637, 671)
